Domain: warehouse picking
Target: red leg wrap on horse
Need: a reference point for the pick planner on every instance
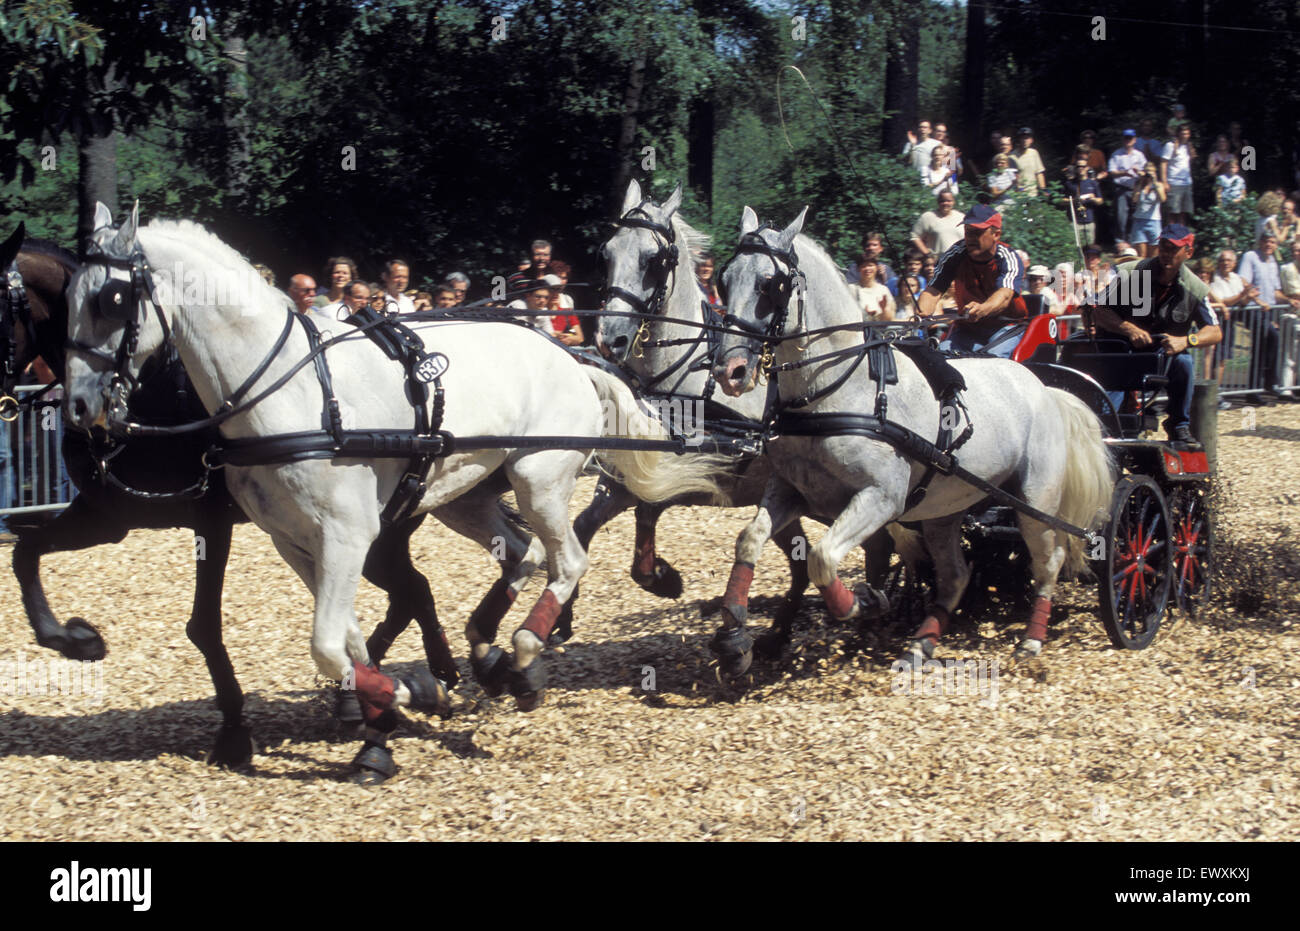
(838, 598)
(1037, 629)
(643, 558)
(737, 593)
(934, 626)
(541, 620)
(487, 616)
(375, 690)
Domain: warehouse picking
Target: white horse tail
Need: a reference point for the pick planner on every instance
(651, 475)
(1089, 475)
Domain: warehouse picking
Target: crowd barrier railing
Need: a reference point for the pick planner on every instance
(32, 476)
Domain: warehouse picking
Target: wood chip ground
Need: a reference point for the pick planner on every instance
(1194, 738)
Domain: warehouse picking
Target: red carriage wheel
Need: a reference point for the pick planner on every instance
(1136, 571)
(1193, 539)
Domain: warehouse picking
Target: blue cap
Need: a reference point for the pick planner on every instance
(1177, 234)
(982, 216)
(1129, 132)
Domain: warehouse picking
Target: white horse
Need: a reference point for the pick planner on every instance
(1039, 443)
(322, 514)
(650, 263)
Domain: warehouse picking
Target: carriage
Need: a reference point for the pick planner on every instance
(1155, 549)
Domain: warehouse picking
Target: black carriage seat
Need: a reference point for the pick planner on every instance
(1116, 368)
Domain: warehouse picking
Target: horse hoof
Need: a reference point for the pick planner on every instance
(233, 748)
(874, 604)
(428, 693)
(492, 671)
(917, 653)
(81, 641)
(735, 651)
(1028, 649)
(771, 643)
(563, 631)
(664, 581)
(372, 765)
(528, 685)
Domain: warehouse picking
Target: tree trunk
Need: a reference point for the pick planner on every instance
(972, 94)
(699, 165)
(627, 155)
(902, 81)
(238, 147)
(96, 174)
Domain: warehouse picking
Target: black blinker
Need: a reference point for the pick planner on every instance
(116, 300)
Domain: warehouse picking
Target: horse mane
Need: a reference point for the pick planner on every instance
(197, 235)
(51, 250)
(212, 245)
(819, 255)
(696, 241)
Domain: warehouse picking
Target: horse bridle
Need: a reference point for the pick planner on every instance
(662, 266)
(122, 300)
(16, 310)
(775, 292)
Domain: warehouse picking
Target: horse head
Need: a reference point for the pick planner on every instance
(641, 261)
(109, 334)
(757, 285)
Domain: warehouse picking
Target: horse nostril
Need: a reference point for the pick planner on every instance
(738, 375)
(79, 410)
(619, 342)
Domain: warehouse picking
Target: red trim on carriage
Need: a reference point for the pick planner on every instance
(1183, 461)
(1194, 461)
(1040, 332)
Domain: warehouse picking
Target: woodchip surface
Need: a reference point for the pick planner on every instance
(1194, 738)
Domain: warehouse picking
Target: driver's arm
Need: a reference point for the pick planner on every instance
(998, 301)
(927, 302)
(1107, 319)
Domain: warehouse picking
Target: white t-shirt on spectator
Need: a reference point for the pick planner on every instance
(1179, 158)
(920, 153)
(872, 300)
(940, 180)
(1225, 289)
(400, 304)
(1291, 280)
(540, 320)
(335, 311)
(939, 233)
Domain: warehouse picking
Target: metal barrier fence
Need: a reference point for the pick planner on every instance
(32, 477)
(1259, 352)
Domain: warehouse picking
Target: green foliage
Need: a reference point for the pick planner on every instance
(1229, 226)
(1041, 226)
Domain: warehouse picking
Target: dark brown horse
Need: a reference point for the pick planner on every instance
(144, 486)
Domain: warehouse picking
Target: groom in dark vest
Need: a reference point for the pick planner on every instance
(1164, 306)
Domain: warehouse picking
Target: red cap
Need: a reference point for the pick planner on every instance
(1178, 235)
(982, 216)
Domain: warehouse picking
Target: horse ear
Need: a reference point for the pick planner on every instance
(124, 242)
(9, 251)
(633, 196)
(673, 202)
(103, 216)
(788, 234)
(748, 220)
